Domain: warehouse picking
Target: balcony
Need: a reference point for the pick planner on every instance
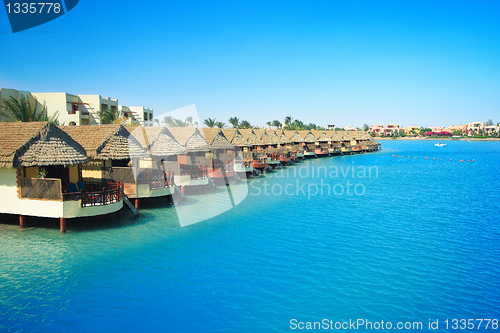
(51, 189)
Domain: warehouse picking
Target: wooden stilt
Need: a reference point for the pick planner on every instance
(137, 203)
(182, 189)
(62, 222)
(22, 221)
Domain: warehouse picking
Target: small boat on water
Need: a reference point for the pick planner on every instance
(440, 144)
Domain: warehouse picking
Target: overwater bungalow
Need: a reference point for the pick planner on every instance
(110, 148)
(157, 171)
(244, 153)
(356, 142)
(322, 148)
(335, 143)
(271, 147)
(278, 150)
(345, 142)
(41, 175)
(289, 156)
(367, 142)
(194, 165)
(309, 144)
(361, 146)
(297, 143)
(221, 167)
(258, 150)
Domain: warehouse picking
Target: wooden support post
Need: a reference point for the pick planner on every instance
(62, 222)
(22, 221)
(182, 189)
(137, 203)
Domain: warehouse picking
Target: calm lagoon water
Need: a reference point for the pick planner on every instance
(421, 241)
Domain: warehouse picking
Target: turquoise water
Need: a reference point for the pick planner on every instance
(419, 240)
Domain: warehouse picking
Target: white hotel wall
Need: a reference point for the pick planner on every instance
(96, 104)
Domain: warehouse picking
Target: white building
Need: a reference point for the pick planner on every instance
(475, 127)
(96, 104)
(143, 115)
(491, 130)
(81, 109)
(71, 110)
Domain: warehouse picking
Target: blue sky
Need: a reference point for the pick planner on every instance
(344, 62)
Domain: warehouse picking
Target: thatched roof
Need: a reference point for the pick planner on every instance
(263, 136)
(308, 136)
(275, 139)
(190, 137)
(251, 137)
(38, 144)
(158, 141)
(106, 142)
(321, 136)
(294, 136)
(216, 138)
(282, 137)
(345, 136)
(336, 137)
(234, 136)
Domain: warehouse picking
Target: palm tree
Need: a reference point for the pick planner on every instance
(220, 124)
(269, 124)
(108, 116)
(209, 122)
(288, 120)
(24, 111)
(174, 122)
(234, 121)
(245, 124)
(277, 124)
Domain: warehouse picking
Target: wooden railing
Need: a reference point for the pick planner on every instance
(110, 194)
(165, 181)
(42, 189)
(50, 189)
(194, 171)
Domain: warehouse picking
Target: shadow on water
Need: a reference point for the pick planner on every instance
(122, 219)
(150, 209)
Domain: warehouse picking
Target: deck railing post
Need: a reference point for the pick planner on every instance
(82, 197)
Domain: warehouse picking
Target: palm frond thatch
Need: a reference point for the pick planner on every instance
(107, 142)
(191, 138)
(38, 144)
(157, 141)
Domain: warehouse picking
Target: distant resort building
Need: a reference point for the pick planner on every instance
(457, 128)
(475, 128)
(377, 129)
(81, 109)
(491, 130)
(470, 129)
(437, 129)
(141, 114)
(409, 129)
